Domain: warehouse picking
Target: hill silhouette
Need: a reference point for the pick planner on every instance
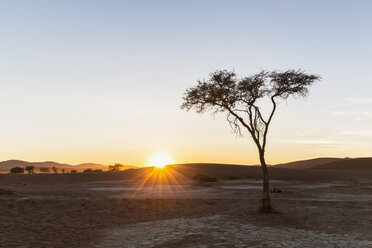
(309, 163)
(355, 163)
(6, 165)
(174, 174)
(219, 170)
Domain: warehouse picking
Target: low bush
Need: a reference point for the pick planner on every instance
(44, 170)
(204, 179)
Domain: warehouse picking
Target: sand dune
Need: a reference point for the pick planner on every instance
(309, 163)
(329, 163)
(219, 170)
(6, 165)
(356, 163)
(184, 172)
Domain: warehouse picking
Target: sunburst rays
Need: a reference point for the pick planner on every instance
(160, 180)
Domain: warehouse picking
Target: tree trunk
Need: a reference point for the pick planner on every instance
(265, 206)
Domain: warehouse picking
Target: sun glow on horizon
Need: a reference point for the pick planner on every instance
(160, 160)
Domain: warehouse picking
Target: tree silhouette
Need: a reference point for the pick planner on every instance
(30, 169)
(240, 99)
(17, 170)
(115, 167)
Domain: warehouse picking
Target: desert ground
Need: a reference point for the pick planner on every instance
(165, 208)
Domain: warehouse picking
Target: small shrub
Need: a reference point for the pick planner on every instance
(204, 179)
(44, 170)
(73, 171)
(17, 170)
(97, 170)
(88, 170)
(276, 190)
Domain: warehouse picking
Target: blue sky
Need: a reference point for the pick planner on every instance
(103, 81)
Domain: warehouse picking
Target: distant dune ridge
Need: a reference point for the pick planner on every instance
(219, 169)
(355, 163)
(6, 165)
(329, 163)
(309, 163)
(176, 173)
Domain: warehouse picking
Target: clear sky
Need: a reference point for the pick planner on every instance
(102, 81)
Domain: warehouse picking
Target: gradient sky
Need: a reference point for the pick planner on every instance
(102, 81)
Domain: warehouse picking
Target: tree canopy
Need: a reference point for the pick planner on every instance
(239, 97)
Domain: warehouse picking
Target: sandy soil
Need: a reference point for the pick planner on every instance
(128, 213)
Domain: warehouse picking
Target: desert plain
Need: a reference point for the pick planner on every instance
(152, 207)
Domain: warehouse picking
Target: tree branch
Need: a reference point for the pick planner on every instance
(268, 122)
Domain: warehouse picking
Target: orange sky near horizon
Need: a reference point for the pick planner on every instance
(102, 82)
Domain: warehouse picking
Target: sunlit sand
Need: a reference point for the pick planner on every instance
(152, 207)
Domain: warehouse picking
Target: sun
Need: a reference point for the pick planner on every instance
(159, 160)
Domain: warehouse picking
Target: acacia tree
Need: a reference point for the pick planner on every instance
(115, 167)
(17, 170)
(30, 169)
(240, 99)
